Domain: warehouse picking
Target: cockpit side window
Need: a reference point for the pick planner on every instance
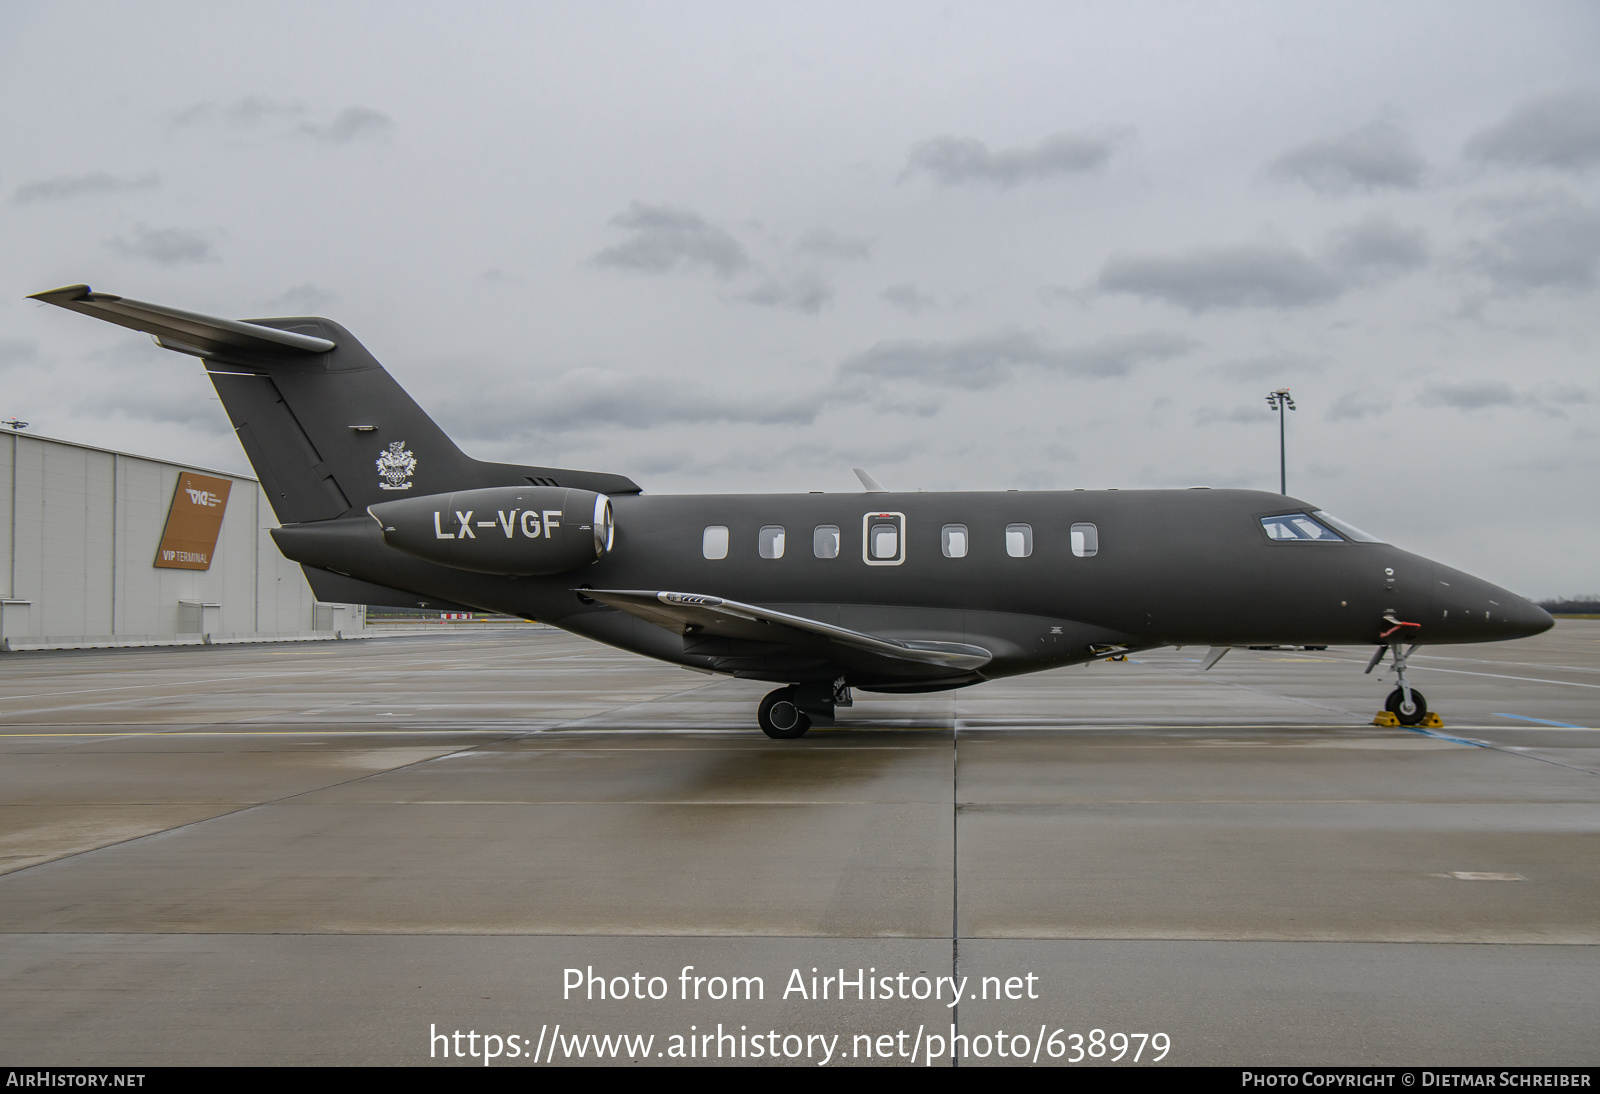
(1299, 528)
(1345, 528)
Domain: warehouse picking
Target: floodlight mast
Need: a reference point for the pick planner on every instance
(1279, 400)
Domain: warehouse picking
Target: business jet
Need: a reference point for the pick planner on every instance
(820, 593)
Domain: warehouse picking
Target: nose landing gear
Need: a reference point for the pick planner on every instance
(1405, 705)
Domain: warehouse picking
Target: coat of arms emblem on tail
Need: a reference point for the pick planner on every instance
(395, 465)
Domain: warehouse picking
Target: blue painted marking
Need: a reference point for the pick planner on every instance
(1445, 737)
(1541, 721)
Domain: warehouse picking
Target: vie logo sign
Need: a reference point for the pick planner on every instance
(193, 523)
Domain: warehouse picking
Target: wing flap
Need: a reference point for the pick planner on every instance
(184, 331)
(713, 616)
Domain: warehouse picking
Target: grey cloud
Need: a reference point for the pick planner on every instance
(1260, 275)
(1560, 130)
(803, 292)
(979, 363)
(907, 297)
(64, 187)
(17, 351)
(1553, 243)
(351, 123)
(591, 398)
(1352, 407)
(302, 300)
(952, 161)
(1247, 415)
(1269, 275)
(189, 406)
(665, 238)
(1471, 396)
(1373, 156)
(248, 111)
(1377, 246)
(168, 246)
(1261, 368)
(822, 243)
(923, 406)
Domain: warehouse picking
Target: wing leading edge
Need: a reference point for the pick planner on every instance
(697, 616)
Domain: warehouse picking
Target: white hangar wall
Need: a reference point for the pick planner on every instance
(78, 551)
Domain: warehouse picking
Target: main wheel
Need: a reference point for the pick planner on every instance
(1407, 714)
(780, 718)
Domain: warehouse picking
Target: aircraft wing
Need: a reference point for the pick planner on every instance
(184, 331)
(695, 615)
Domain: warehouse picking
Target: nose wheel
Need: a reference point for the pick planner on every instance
(1408, 709)
(780, 716)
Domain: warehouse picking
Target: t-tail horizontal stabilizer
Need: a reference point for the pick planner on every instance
(184, 331)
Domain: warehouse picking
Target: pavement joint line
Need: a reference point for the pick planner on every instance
(1423, 732)
(1145, 940)
(633, 731)
(1225, 682)
(1491, 661)
(1494, 675)
(1542, 721)
(227, 813)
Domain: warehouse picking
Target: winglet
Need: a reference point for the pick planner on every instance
(184, 331)
(872, 485)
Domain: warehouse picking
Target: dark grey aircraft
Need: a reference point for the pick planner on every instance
(822, 593)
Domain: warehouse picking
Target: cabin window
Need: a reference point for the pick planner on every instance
(714, 544)
(1085, 540)
(770, 541)
(825, 541)
(1298, 526)
(1019, 540)
(953, 540)
(885, 540)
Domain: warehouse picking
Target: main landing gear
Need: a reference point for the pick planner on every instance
(1405, 704)
(786, 713)
(781, 717)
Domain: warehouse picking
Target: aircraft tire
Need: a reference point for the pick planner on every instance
(780, 718)
(1396, 705)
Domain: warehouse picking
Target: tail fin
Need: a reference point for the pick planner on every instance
(325, 426)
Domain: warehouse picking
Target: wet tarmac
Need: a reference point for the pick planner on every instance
(330, 853)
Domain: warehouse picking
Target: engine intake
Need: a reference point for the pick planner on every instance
(516, 531)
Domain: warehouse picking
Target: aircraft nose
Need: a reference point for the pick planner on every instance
(1522, 617)
(1485, 612)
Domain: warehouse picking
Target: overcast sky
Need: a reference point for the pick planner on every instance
(745, 247)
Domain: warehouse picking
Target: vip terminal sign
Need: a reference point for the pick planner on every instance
(190, 538)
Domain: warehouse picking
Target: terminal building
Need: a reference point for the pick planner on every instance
(106, 548)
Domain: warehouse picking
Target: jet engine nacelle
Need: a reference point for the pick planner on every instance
(518, 531)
